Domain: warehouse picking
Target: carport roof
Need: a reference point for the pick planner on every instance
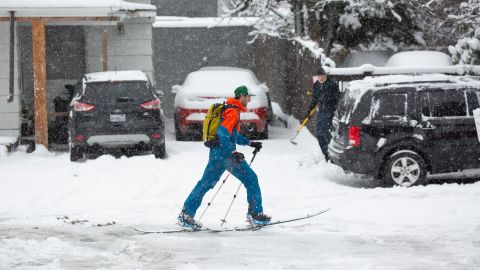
(71, 8)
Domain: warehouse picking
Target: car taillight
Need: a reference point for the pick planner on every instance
(153, 104)
(156, 136)
(82, 107)
(354, 136)
(79, 138)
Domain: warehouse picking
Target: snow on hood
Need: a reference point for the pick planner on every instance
(209, 85)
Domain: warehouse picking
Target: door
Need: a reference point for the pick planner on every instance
(449, 129)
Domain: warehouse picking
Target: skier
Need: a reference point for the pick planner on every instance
(326, 95)
(225, 157)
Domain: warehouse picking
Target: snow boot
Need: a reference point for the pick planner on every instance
(258, 219)
(188, 222)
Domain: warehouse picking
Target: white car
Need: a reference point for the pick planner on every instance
(211, 85)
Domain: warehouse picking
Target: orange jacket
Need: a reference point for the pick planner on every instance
(231, 116)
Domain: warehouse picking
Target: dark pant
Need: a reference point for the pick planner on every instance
(324, 125)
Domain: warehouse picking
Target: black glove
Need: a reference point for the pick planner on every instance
(237, 157)
(256, 145)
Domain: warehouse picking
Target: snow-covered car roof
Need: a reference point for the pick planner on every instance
(124, 75)
(359, 87)
(219, 81)
(419, 59)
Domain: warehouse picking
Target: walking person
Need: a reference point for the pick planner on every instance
(326, 95)
(225, 157)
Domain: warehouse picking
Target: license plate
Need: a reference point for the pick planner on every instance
(117, 118)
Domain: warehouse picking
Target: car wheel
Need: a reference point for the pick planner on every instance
(405, 168)
(159, 151)
(264, 134)
(178, 134)
(76, 153)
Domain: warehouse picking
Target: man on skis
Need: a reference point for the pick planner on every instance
(225, 157)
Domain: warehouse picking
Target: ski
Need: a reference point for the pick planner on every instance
(258, 227)
(169, 231)
(238, 229)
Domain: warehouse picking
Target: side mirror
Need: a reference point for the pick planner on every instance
(264, 87)
(159, 93)
(175, 88)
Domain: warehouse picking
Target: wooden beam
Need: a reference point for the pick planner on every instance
(63, 19)
(40, 82)
(105, 49)
(11, 85)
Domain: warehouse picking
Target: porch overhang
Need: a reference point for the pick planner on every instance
(80, 10)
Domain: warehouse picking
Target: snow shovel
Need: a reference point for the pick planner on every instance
(304, 123)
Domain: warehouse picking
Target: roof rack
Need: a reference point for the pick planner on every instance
(357, 73)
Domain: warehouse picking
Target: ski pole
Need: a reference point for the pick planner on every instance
(215, 195)
(304, 123)
(236, 193)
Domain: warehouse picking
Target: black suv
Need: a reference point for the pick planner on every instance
(116, 112)
(398, 128)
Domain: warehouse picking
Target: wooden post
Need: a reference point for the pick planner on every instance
(11, 82)
(40, 82)
(105, 50)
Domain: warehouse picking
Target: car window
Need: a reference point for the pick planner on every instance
(389, 105)
(424, 103)
(447, 103)
(472, 101)
(346, 106)
(113, 91)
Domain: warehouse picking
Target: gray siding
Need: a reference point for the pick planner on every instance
(188, 8)
(9, 112)
(179, 51)
(128, 48)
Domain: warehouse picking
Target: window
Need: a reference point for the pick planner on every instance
(447, 103)
(424, 103)
(389, 105)
(472, 100)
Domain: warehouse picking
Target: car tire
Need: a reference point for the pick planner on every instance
(178, 134)
(264, 135)
(76, 153)
(159, 151)
(405, 168)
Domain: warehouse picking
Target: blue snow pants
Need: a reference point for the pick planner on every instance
(324, 125)
(214, 170)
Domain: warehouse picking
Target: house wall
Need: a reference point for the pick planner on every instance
(129, 47)
(9, 112)
(188, 8)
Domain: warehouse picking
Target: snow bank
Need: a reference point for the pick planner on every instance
(6, 140)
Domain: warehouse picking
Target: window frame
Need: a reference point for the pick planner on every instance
(433, 90)
(376, 97)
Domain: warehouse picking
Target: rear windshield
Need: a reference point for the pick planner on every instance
(117, 91)
(345, 106)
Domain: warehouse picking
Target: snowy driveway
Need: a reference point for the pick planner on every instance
(425, 227)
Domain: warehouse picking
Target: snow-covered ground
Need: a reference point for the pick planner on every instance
(424, 227)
